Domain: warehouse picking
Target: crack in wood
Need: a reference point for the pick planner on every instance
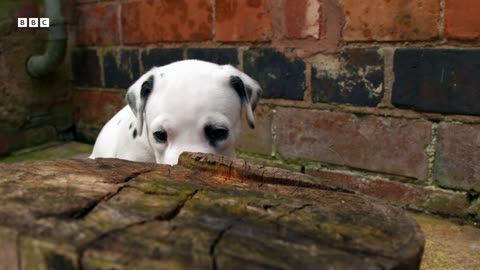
(277, 220)
(86, 211)
(161, 217)
(214, 244)
(174, 213)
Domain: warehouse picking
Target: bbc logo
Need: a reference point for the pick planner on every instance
(33, 22)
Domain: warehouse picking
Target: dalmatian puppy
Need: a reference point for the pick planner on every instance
(189, 105)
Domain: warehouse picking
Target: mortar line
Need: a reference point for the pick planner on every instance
(119, 22)
(214, 20)
(441, 22)
(431, 152)
(389, 76)
(240, 52)
(308, 94)
(273, 130)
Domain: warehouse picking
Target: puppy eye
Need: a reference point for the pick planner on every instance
(160, 136)
(215, 134)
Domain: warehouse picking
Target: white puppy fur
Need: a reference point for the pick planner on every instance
(189, 105)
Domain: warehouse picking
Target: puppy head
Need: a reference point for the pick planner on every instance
(192, 106)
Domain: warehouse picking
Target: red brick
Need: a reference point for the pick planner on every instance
(388, 145)
(25, 9)
(461, 19)
(258, 140)
(18, 10)
(19, 139)
(302, 18)
(457, 156)
(97, 25)
(243, 20)
(96, 107)
(84, 1)
(388, 20)
(167, 20)
(413, 197)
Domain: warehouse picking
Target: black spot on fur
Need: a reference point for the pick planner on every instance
(130, 127)
(239, 87)
(135, 133)
(147, 87)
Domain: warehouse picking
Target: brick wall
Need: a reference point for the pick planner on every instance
(382, 96)
(32, 111)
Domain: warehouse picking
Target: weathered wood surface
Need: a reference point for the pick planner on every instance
(206, 213)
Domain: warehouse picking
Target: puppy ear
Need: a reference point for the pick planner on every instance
(249, 93)
(137, 96)
(253, 91)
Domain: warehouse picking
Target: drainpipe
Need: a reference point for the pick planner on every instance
(39, 66)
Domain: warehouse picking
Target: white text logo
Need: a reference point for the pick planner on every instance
(33, 22)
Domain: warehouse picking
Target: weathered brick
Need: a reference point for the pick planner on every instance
(474, 209)
(86, 67)
(388, 145)
(84, 1)
(8, 20)
(457, 156)
(437, 80)
(86, 133)
(97, 25)
(96, 107)
(4, 149)
(18, 139)
(391, 20)
(243, 20)
(462, 20)
(413, 197)
(36, 136)
(221, 56)
(22, 9)
(302, 18)
(158, 57)
(260, 139)
(168, 20)
(355, 76)
(120, 68)
(279, 76)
